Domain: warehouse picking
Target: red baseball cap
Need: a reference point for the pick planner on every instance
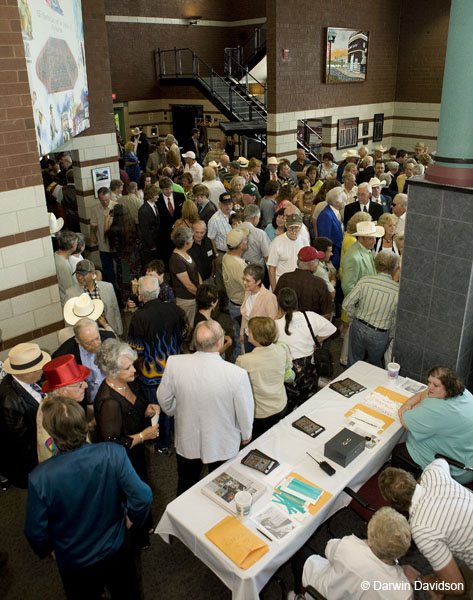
(309, 253)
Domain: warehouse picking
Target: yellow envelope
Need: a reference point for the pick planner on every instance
(236, 541)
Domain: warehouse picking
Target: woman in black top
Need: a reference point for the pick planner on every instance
(185, 277)
(122, 414)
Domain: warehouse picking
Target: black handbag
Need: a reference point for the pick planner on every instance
(322, 357)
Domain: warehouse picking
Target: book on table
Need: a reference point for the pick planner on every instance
(224, 486)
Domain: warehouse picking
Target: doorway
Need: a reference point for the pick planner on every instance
(184, 119)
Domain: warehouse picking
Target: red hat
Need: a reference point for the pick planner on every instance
(308, 254)
(62, 371)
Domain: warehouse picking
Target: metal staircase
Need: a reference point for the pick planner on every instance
(235, 98)
(251, 52)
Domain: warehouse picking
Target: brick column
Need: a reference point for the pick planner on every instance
(29, 299)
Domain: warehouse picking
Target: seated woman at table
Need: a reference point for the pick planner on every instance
(294, 331)
(258, 301)
(438, 420)
(351, 562)
(266, 366)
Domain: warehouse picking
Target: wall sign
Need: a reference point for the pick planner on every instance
(347, 134)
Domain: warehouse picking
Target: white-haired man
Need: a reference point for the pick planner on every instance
(364, 204)
(213, 417)
(399, 208)
(371, 308)
(328, 222)
(156, 331)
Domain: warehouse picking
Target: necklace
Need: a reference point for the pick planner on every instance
(116, 387)
(388, 240)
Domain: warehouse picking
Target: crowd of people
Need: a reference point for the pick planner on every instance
(286, 249)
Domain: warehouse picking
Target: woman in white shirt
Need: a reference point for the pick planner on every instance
(294, 331)
(351, 562)
(266, 366)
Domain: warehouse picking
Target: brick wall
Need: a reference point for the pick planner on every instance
(98, 68)
(132, 61)
(406, 55)
(214, 10)
(296, 83)
(19, 166)
(422, 44)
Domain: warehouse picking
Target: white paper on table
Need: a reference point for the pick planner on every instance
(364, 420)
(274, 522)
(383, 404)
(411, 386)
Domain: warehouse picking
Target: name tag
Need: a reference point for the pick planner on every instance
(210, 253)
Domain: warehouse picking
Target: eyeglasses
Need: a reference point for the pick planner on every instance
(79, 384)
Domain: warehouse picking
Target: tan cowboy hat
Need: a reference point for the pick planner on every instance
(82, 307)
(272, 160)
(380, 148)
(55, 225)
(135, 131)
(368, 229)
(350, 154)
(213, 164)
(375, 182)
(25, 358)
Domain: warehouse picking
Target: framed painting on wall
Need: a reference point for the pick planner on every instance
(346, 55)
(347, 134)
(378, 127)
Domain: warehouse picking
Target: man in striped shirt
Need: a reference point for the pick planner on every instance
(371, 308)
(441, 519)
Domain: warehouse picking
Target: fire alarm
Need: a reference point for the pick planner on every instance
(285, 54)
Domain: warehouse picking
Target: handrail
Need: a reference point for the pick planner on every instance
(247, 74)
(255, 40)
(197, 66)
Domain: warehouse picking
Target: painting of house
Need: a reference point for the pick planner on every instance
(347, 55)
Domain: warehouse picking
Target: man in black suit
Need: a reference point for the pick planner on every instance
(83, 346)
(363, 204)
(169, 206)
(201, 198)
(20, 397)
(148, 225)
(194, 145)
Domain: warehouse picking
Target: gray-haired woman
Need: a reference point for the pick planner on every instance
(122, 413)
(185, 277)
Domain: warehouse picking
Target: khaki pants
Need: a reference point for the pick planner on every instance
(189, 307)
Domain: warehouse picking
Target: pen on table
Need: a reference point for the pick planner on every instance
(266, 536)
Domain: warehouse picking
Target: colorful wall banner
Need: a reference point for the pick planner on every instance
(53, 36)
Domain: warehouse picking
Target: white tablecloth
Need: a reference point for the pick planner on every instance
(192, 514)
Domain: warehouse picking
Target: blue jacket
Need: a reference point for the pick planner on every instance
(75, 508)
(329, 226)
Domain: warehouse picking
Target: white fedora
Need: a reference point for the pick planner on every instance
(375, 182)
(380, 148)
(350, 154)
(368, 229)
(243, 161)
(55, 225)
(82, 307)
